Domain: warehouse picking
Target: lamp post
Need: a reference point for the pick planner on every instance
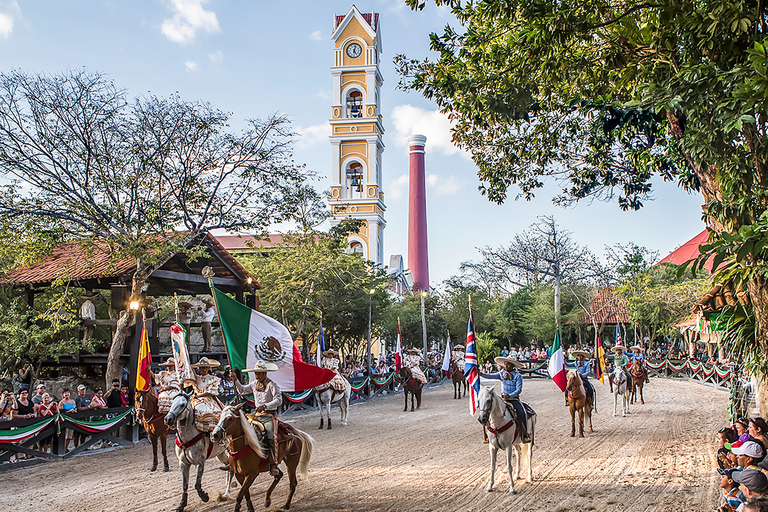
(370, 307)
(424, 325)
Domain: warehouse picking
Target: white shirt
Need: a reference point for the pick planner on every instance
(208, 314)
(88, 311)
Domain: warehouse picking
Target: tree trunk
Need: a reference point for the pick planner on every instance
(758, 293)
(126, 319)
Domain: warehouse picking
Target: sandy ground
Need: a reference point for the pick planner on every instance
(660, 457)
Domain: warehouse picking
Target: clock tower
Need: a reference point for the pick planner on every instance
(356, 131)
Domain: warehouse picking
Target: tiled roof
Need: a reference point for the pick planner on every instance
(689, 251)
(247, 242)
(372, 18)
(606, 308)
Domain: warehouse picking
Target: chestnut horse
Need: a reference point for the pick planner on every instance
(410, 385)
(457, 376)
(152, 421)
(639, 378)
(578, 401)
(247, 457)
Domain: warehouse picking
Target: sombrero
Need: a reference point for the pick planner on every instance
(262, 366)
(619, 347)
(330, 352)
(501, 360)
(205, 362)
(581, 353)
(457, 347)
(168, 362)
(185, 305)
(90, 295)
(637, 347)
(208, 302)
(413, 351)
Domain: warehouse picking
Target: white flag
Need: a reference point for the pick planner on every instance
(447, 355)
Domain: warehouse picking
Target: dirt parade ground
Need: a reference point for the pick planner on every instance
(660, 457)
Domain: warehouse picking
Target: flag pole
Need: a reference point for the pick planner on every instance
(208, 273)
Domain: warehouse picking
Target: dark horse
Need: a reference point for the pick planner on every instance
(410, 385)
(152, 421)
(457, 376)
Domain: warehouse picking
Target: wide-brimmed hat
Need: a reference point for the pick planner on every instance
(207, 300)
(168, 362)
(457, 347)
(619, 347)
(207, 363)
(413, 351)
(581, 353)
(330, 352)
(637, 347)
(501, 360)
(185, 305)
(90, 295)
(262, 366)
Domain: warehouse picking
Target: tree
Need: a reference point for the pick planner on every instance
(145, 177)
(605, 96)
(407, 311)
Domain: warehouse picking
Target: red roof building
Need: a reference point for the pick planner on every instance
(689, 251)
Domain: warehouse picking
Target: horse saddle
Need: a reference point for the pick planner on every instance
(529, 412)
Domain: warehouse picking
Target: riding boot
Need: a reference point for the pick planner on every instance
(523, 429)
(272, 460)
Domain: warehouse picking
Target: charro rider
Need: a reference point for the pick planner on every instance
(266, 399)
(206, 402)
(331, 362)
(511, 387)
(637, 355)
(584, 369)
(620, 360)
(168, 382)
(457, 354)
(413, 361)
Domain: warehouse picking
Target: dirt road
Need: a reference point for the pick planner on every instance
(660, 457)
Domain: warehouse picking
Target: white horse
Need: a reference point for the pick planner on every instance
(193, 447)
(328, 396)
(620, 387)
(502, 434)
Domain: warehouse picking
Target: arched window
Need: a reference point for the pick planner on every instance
(354, 103)
(354, 182)
(356, 248)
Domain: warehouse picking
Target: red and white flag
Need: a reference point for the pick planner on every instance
(181, 356)
(557, 363)
(399, 350)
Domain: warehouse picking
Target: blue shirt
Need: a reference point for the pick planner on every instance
(637, 356)
(584, 368)
(512, 386)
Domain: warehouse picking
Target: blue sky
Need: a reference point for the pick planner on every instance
(255, 58)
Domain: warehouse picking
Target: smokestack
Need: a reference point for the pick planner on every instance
(418, 259)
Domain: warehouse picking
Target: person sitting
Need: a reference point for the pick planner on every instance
(413, 361)
(511, 387)
(732, 496)
(167, 380)
(267, 398)
(206, 402)
(584, 370)
(330, 361)
(226, 385)
(458, 355)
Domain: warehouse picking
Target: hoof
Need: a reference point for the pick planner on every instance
(329, 427)
(581, 435)
(512, 492)
(489, 489)
(573, 434)
(267, 502)
(166, 468)
(203, 496)
(153, 468)
(485, 441)
(343, 423)
(320, 427)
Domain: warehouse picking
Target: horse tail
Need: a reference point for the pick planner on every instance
(307, 443)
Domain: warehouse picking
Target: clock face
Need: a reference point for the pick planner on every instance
(354, 50)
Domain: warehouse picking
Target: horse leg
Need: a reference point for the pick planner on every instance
(268, 494)
(405, 394)
(454, 391)
(572, 410)
(581, 421)
(615, 402)
(164, 447)
(184, 487)
(518, 448)
(329, 422)
(244, 484)
(153, 438)
(508, 453)
(291, 465)
(589, 415)
(493, 450)
(418, 399)
(199, 483)
(344, 406)
(642, 401)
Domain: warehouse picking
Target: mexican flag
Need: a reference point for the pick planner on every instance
(557, 363)
(252, 336)
(399, 349)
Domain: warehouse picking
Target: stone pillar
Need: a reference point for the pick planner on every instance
(418, 259)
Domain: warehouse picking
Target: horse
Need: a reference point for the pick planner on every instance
(578, 401)
(411, 385)
(494, 415)
(620, 387)
(247, 456)
(639, 378)
(328, 396)
(193, 447)
(152, 421)
(457, 376)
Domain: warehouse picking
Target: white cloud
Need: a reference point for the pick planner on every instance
(410, 120)
(216, 57)
(443, 186)
(9, 12)
(316, 36)
(397, 187)
(312, 135)
(191, 65)
(189, 17)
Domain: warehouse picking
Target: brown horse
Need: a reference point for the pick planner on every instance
(457, 376)
(639, 378)
(247, 457)
(578, 401)
(410, 385)
(152, 421)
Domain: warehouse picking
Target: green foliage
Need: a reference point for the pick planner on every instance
(408, 311)
(487, 348)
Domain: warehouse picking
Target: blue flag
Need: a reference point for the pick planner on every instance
(320, 342)
(471, 370)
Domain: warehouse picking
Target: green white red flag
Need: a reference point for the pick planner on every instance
(557, 363)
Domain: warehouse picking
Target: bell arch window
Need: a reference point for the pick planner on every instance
(354, 103)
(354, 181)
(356, 248)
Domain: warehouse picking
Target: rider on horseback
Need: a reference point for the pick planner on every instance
(206, 399)
(330, 361)
(457, 355)
(267, 398)
(511, 387)
(620, 360)
(584, 369)
(413, 361)
(637, 357)
(168, 382)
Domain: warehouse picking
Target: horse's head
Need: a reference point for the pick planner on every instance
(484, 405)
(229, 419)
(180, 409)
(405, 373)
(140, 403)
(618, 376)
(573, 380)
